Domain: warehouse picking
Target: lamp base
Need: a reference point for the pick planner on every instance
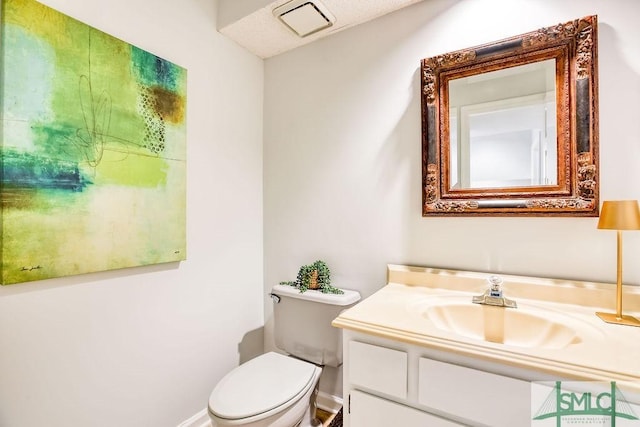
(623, 320)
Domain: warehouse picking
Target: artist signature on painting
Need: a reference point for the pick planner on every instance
(31, 268)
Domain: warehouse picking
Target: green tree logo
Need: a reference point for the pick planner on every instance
(607, 404)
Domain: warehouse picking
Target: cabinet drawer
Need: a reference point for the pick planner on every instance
(378, 369)
(480, 396)
(371, 411)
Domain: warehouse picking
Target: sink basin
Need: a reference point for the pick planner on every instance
(525, 326)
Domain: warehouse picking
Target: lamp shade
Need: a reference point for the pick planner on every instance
(620, 215)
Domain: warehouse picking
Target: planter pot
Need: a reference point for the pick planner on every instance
(313, 280)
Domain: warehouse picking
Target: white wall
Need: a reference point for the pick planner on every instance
(144, 346)
(342, 151)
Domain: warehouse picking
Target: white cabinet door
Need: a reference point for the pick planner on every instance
(485, 398)
(378, 369)
(371, 411)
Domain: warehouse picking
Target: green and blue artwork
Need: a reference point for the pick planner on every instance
(93, 149)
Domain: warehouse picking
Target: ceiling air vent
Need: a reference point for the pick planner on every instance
(304, 17)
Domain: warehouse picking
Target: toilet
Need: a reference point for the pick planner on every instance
(277, 390)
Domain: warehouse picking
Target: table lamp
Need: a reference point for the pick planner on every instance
(619, 215)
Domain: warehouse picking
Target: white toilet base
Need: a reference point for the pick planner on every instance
(307, 421)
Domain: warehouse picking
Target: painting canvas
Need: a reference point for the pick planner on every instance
(93, 149)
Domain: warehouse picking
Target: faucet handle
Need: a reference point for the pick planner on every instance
(495, 286)
(493, 295)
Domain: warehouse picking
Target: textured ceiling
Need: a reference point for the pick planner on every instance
(263, 34)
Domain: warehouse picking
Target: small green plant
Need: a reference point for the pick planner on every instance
(314, 276)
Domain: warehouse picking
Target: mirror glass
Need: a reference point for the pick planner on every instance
(511, 127)
(502, 128)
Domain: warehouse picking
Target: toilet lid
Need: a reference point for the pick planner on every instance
(261, 384)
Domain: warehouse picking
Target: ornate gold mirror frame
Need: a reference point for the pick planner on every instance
(573, 47)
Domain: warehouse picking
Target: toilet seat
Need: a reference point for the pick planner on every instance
(260, 386)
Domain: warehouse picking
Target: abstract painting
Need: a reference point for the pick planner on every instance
(93, 149)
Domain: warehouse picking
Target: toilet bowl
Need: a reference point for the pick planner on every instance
(276, 390)
(271, 390)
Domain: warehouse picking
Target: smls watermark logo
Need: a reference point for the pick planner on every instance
(577, 404)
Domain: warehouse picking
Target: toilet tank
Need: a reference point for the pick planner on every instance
(302, 323)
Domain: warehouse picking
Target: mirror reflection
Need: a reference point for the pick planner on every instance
(502, 128)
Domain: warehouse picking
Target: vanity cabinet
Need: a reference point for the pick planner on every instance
(389, 383)
(414, 353)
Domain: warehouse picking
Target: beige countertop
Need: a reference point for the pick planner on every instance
(603, 352)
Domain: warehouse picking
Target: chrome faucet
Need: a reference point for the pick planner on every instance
(493, 295)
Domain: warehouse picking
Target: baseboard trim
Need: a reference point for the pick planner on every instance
(329, 402)
(201, 419)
